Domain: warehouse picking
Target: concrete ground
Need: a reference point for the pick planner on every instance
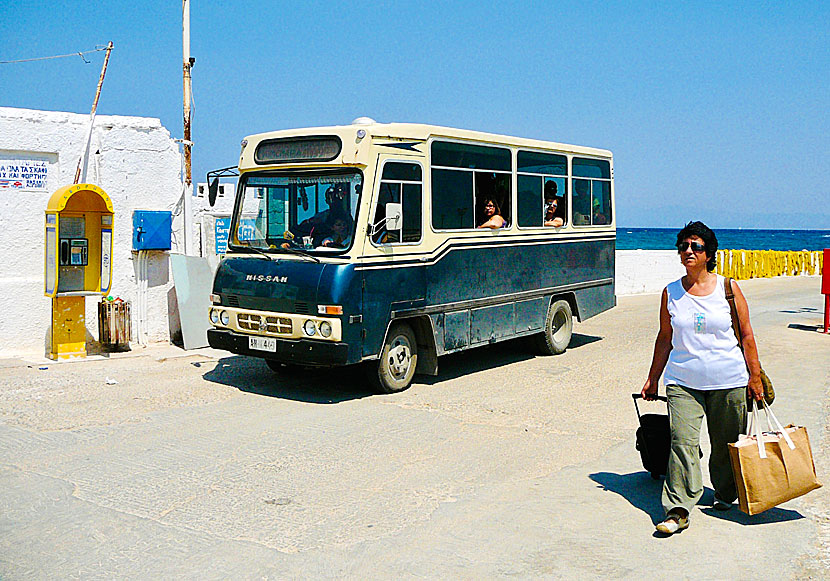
(171, 464)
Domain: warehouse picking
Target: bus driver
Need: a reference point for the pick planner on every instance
(321, 226)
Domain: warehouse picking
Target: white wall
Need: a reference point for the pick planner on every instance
(135, 161)
(646, 271)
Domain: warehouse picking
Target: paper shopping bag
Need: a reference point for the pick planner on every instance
(772, 467)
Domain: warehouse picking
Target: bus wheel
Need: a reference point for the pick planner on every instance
(396, 366)
(559, 325)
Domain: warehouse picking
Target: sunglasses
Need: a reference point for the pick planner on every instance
(696, 246)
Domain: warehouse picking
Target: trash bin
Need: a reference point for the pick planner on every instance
(114, 324)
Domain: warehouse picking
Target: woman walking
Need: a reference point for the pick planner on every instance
(706, 374)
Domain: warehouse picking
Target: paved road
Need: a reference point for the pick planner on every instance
(210, 466)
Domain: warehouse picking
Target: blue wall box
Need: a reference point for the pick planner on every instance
(151, 229)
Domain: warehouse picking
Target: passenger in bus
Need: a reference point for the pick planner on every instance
(320, 225)
(341, 235)
(492, 215)
(581, 201)
(599, 216)
(554, 215)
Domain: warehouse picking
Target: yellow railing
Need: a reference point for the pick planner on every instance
(743, 264)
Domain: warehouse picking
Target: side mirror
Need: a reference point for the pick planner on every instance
(394, 216)
(213, 190)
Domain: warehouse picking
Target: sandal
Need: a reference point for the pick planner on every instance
(673, 523)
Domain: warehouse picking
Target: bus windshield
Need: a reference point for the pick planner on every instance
(309, 211)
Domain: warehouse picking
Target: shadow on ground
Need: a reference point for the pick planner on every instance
(324, 386)
(800, 310)
(334, 385)
(643, 492)
(799, 327)
(491, 357)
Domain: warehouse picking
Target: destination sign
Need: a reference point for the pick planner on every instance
(294, 149)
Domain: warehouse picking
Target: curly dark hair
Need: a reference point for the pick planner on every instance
(495, 204)
(706, 234)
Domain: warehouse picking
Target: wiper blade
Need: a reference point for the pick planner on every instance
(298, 252)
(253, 249)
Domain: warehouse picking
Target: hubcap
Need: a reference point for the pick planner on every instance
(400, 357)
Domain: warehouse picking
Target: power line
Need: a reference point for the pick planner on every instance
(59, 56)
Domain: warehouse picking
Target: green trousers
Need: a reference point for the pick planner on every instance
(725, 411)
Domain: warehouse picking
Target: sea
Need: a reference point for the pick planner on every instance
(735, 239)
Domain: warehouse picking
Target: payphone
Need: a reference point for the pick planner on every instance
(78, 258)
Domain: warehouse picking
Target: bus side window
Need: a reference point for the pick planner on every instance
(400, 184)
(529, 200)
(592, 193)
(492, 186)
(601, 202)
(582, 202)
(463, 175)
(555, 209)
(543, 194)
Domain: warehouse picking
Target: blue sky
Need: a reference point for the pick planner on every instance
(714, 112)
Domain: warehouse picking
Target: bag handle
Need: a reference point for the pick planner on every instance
(781, 429)
(758, 434)
(637, 396)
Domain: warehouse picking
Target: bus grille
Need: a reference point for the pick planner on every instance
(301, 308)
(233, 300)
(268, 324)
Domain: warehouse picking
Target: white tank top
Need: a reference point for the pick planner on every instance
(705, 352)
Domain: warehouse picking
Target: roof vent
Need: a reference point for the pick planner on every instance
(364, 121)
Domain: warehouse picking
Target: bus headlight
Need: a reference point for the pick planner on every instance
(309, 328)
(325, 329)
(214, 316)
(224, 317)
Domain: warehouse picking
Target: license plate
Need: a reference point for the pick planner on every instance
(262, 343)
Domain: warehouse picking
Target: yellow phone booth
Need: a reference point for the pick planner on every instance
(78, 262)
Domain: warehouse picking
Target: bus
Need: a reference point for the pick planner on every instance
(391, 244)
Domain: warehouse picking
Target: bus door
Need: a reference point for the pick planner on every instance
(394, 278)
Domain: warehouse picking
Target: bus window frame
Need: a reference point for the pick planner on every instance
(281, 172)
(510, 174)
(609, 180)
(376, 195)
(542, 176)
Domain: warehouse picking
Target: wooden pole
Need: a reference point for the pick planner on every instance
(85, 156)
(186, 66)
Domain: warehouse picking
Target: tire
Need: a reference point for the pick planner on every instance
(395, 368)
(559, 325)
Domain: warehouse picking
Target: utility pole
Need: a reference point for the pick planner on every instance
(187, 65)
(82, 162)
(187, 144)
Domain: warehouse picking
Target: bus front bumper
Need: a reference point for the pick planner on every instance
(299, 351)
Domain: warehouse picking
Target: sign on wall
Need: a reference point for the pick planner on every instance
(23, 174)
(222, 227)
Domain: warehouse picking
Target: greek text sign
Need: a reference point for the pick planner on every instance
(23, 174)
(222, 226)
